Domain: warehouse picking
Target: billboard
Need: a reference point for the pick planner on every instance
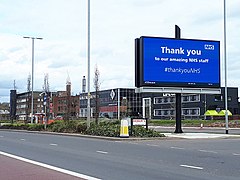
(169, 62)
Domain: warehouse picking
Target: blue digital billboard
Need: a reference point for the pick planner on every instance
(178, 62)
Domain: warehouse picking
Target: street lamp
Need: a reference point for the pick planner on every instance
(225, 66)
(88, 52)
(33, 38)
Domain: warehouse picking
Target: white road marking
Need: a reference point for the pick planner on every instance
(202, 150)
(192, 167)
(132, 143)
(53, 144)
(155, 145)
(102, 152)
(72, 173)
(1, 136)
(22, 139)
(236, 154)
(176, 147)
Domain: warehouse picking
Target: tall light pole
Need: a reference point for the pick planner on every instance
(88, 52)
(225, 66)
(33, 38)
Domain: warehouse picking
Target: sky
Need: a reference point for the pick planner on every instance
(114, 25)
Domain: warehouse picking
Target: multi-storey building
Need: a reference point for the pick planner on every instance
(64, 104)
(23, 104)
(113, 103)
(122, 102)
(162, 106)
(45, 104)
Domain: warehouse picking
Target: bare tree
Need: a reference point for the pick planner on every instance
(46, 83)
(96, 84)
(46, 101)
(28, 96)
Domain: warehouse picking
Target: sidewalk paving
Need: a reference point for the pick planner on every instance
(12, 169)
(200, 135)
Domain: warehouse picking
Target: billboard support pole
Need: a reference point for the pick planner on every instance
(178, 96)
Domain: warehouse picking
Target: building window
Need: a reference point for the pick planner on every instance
(164, 100)
(158, 100)
(218, 98)
(164, 112)
(172, 99)
(194, 98)
(185, 99)
(191, 98)
(229, 98)
(191, 111)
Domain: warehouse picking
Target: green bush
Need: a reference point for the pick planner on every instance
(30, 127)
(35, 127)
(67, 126)
(104, 129)
(139, 131)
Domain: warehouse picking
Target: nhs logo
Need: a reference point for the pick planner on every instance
(209, 47)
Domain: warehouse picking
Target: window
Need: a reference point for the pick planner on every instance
(229, 98)
(194, 98)
(164, 112)
(172, 99)
(185, 98)
(172, 112)
(218, 98)
(191, 111)
(158, 100)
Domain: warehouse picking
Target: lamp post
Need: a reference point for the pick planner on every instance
(33, 38)
(88, 52)
(225, 66)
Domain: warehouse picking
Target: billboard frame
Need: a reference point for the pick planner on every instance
(178, 90)
(139, 66)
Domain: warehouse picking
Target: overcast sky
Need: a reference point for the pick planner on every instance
(114, 26)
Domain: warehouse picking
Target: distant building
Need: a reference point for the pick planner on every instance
(23, 104)
(162, 105)
(113, 103)
(64, 104)
(4, 111)
(121, 102)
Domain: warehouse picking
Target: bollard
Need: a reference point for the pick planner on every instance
(124, 129)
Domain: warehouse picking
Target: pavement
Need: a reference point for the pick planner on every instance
(12, 169)
(198, 132)
(200, 135)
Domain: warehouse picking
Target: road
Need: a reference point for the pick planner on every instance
(215, 159)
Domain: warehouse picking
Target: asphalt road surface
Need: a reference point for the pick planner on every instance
(213, 159)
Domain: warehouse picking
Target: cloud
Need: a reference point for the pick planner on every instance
(114, 26)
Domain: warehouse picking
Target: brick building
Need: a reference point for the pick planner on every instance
(64, 104)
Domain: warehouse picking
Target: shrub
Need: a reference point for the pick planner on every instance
(104, 129)
(30, 127)
(34, 127)
(139, 131)
(67, 126)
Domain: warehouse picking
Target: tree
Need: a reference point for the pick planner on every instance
(96, 83)
(28, 96)
(46, 101)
